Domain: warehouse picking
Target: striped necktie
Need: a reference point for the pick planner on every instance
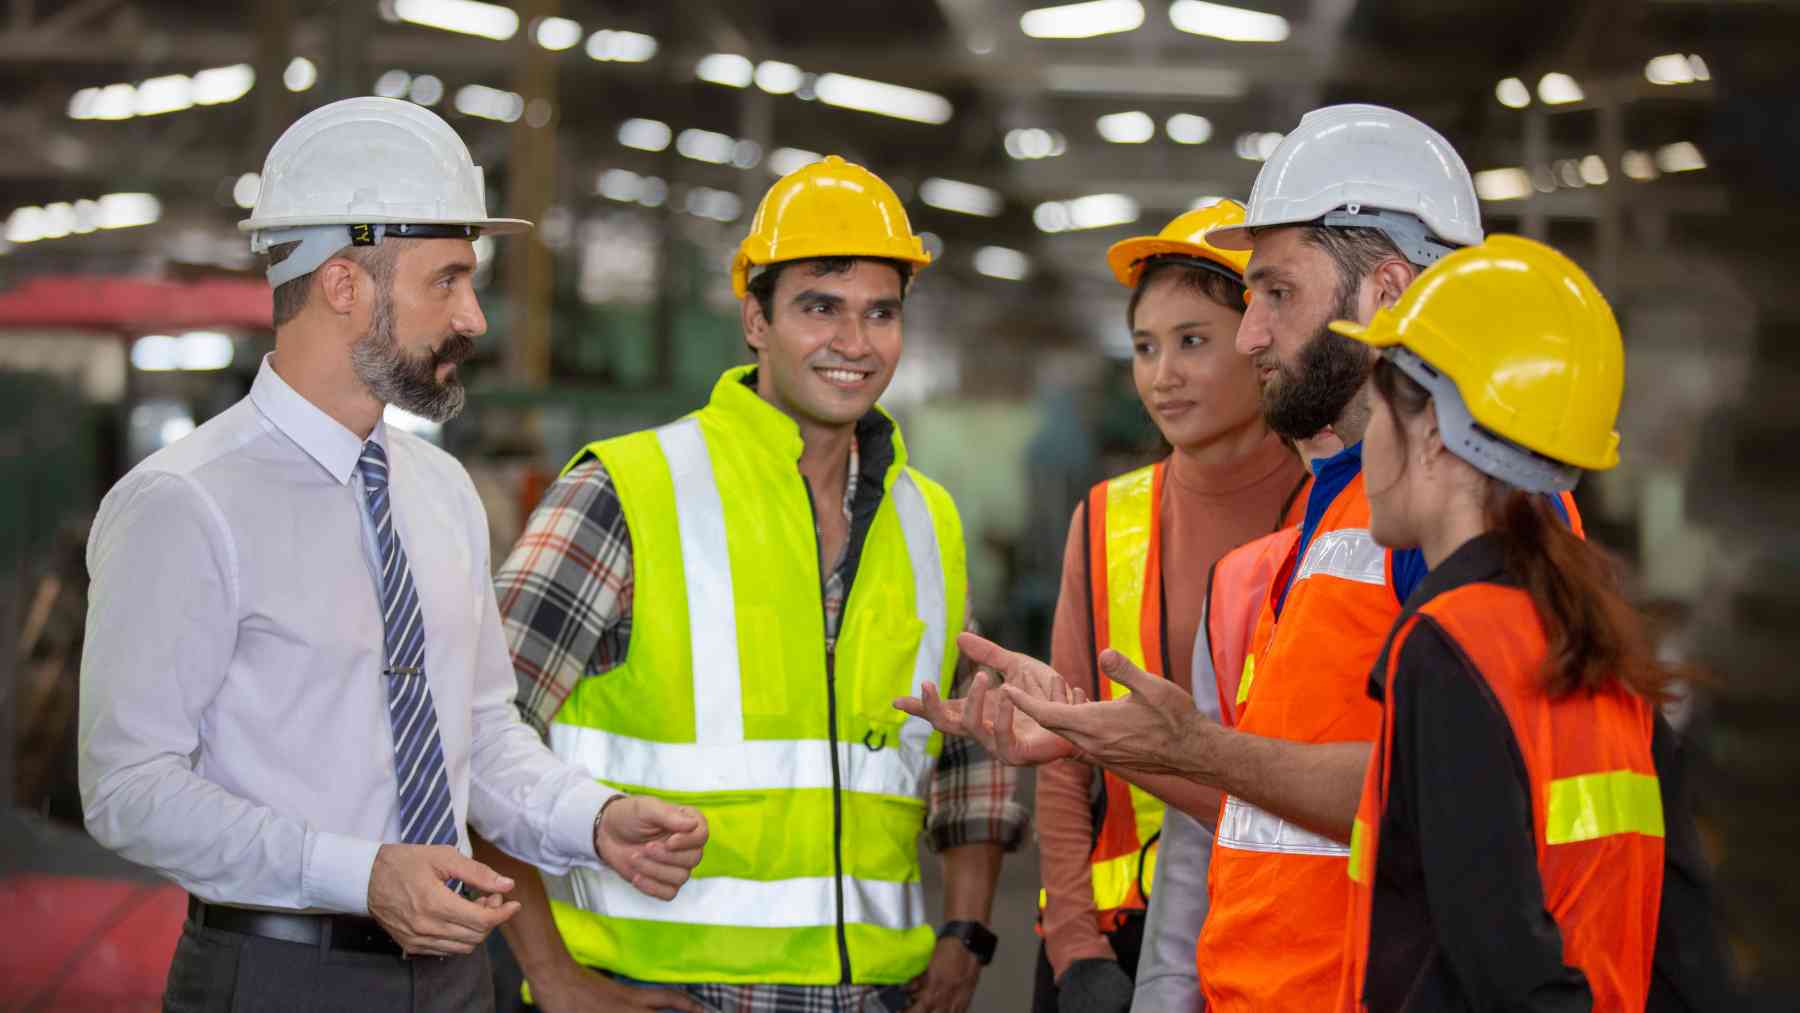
(426, 815)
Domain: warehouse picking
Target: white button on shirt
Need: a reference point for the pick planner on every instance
(234, 728)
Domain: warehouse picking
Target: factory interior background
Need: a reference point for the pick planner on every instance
(1657, 142)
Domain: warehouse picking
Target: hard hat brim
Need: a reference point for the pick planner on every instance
(488, 226)
(1369, 334)
(1231, 237)
(1239, 237)
(742, 266)
(1126, 257)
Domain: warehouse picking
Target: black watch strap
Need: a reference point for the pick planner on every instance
(973, 935)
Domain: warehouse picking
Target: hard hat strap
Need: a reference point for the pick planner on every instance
(1185, 260)
(1405, 231)
(319, 243)
(1487, 452)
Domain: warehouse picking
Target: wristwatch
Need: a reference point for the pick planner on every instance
(973, 935)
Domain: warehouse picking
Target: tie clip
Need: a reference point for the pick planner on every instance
(405, 671)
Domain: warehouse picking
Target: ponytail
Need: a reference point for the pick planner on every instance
(1594, 635)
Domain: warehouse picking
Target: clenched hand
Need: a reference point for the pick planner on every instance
(408, 897)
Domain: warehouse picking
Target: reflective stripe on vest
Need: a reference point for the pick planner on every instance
(1359, 851)
(725, 901)
(722, 703)
(1593, 806)
(1125, 572)
(1244, 827)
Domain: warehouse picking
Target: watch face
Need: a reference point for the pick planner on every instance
(975, 936)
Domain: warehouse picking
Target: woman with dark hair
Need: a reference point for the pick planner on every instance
(1508, 852)
(1227, 480)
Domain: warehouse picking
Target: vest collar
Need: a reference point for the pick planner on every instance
(763, 426)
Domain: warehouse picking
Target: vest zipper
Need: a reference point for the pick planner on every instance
(837, 787)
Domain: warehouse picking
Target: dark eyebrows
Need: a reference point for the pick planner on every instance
(813, 295)
(1266, 273)
(1186, 325)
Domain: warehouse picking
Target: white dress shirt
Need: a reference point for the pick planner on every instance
(234, 726)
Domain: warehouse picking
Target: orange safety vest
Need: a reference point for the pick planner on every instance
(1125, 606)
(1595, 799)
(1235, 590)
(1124, 557)
(1278, 897)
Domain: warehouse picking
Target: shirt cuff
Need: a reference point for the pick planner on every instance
(336, 876)
(959, 825)
(1065, 953)
(569, 836)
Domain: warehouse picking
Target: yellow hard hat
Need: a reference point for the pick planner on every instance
(1184, 238)
(1527, 340)
(831, 208)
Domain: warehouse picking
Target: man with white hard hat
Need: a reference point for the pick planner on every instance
(295, 693)
(1353, 205)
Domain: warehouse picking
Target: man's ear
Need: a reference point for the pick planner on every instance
(1391, 279)
(756, 326)
(338, 280)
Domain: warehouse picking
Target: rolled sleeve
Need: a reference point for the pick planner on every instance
(564, 591)
(973, 796)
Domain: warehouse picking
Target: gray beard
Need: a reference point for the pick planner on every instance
(407, 381)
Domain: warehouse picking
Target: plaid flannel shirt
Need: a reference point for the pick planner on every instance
(565, 596)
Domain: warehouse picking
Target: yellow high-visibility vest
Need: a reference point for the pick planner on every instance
(812, 783)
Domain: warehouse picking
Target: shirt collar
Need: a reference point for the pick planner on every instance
(877, 440)
(1348, 459)
(324, 438)
(1480, 560)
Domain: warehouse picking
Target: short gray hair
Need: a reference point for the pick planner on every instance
(378, 260)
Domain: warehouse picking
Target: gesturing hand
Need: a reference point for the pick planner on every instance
(988, 716)
(408, 897)
(651, 844)
(1153, 729)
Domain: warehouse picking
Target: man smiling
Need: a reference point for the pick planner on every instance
(718, 612)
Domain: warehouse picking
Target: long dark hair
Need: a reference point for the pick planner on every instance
(1595, 636)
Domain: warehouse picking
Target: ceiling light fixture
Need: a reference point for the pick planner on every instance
(883, 99)
(1233, 24)
(1082, 20)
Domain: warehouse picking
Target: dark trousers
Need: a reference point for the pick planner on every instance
(1127, 940)
(217, 971)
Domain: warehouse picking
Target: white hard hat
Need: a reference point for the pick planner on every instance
(362, 168)
(1367, 166)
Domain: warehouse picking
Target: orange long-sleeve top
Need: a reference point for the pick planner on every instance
(1206, 512)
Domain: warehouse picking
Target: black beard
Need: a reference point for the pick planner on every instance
(405, 380)
(1307, 398)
